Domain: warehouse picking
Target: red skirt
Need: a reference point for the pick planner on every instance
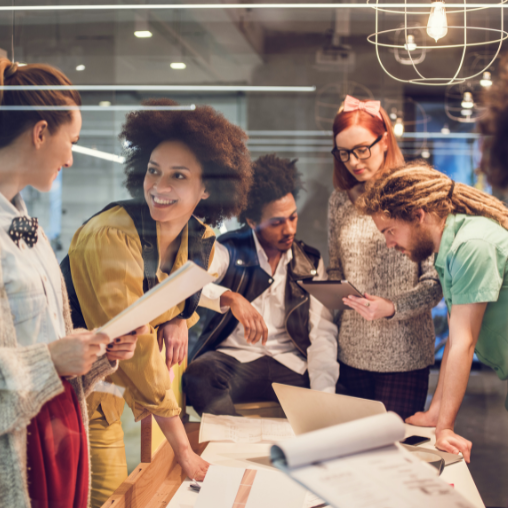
(57, 454)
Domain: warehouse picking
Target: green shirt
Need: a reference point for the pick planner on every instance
(472, 267)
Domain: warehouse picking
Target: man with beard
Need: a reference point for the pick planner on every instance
(288, 337)
(421, 211)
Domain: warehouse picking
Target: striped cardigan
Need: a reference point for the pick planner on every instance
(28, 380)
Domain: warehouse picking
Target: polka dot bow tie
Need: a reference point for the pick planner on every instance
(24, 228)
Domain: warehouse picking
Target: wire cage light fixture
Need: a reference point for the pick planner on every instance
(463, 101)
(410, 38)
(437, 28)
(403, 127)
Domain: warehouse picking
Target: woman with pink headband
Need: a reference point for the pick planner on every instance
(386, 340)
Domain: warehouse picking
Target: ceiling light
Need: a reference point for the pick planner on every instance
(437, 26)
(164, 88)
(466, 112)
(486, 80)
(177, 65)
(80, 67)
(425, 153)
(445, 129)
(121, 107)
(143, 34)
(410, 44)
(104, 104)
(398, 128)
(467, 101)
(393, 114)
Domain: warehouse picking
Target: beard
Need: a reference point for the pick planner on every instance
(421, 245)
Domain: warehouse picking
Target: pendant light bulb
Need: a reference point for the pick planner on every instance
(410, 44)
(437, 27)
(398, 128)
(486, 80)
(467, 100)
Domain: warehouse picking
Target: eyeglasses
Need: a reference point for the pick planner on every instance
(360, 152)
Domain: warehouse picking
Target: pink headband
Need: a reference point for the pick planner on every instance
(370, 107)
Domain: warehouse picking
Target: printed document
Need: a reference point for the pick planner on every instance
(232, 487)
(357, 465)
(243, 430)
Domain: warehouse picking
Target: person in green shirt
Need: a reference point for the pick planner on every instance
(421, 211)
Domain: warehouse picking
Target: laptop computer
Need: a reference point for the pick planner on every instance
(309, 410)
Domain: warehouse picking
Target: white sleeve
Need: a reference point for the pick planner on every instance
(322, 353)
(211, 293)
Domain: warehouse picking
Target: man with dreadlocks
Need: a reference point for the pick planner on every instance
(421, 211)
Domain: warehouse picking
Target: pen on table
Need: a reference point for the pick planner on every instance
(195, 486)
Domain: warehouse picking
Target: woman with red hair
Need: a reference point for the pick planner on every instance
(386, 340)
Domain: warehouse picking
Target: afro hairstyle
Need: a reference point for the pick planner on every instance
(218, 145)
(274, 178)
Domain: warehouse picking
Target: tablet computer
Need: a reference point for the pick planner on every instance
(330, 292)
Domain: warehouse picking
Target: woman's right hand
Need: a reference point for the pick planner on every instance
(193, 466)
(75, 354)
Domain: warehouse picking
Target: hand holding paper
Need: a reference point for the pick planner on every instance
(122, 348)
(179, 286)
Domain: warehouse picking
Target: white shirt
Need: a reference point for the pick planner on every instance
(321, 354)
(32, 280)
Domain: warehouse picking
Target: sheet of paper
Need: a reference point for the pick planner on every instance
(340, 440)
(243, 430)
(231, 487)
(181, 284)
(387, 476)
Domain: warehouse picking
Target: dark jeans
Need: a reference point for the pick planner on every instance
(404, 393)
(214, 382)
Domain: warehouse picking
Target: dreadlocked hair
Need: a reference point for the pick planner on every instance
(399, 193)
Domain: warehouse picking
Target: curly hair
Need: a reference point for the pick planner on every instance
(494, 124)
(218, 145)
(401, 192)
(274, 178)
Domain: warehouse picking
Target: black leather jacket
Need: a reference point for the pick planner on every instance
(245, 276)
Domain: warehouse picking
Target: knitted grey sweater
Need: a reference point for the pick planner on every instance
(358, 254)
(28, 379)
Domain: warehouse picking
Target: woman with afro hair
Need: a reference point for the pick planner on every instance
(186, 171)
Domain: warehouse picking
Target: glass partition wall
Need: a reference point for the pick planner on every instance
(279, 73)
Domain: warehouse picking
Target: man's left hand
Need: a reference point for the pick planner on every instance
(175, 336)
(450, 442)
(370, 307)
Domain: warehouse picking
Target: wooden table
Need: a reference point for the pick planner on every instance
(153, 485)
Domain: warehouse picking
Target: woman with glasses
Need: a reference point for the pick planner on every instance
(386, 340)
